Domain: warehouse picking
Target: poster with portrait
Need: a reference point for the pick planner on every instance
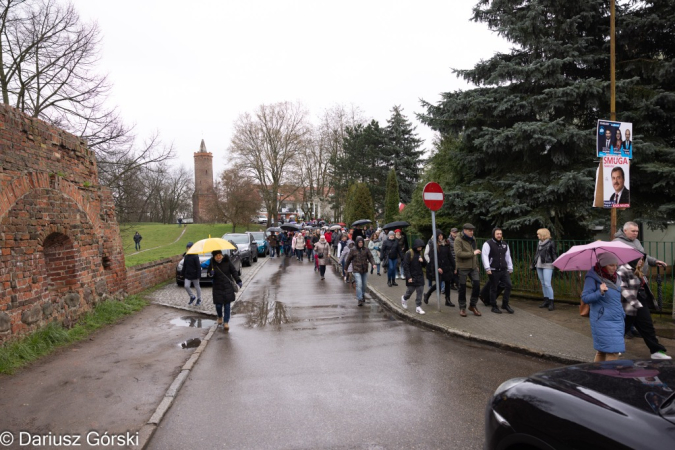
(612, 183)
(614, 139)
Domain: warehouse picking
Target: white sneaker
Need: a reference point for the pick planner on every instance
(660, 355)
(419, 310)
(404, 302)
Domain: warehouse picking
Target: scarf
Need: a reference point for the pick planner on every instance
(630, 284)
(602, 273)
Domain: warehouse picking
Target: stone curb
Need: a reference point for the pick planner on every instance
(148, 430)
(384, 301)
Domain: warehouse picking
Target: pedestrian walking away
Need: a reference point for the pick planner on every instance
(637, 299)
(466, 255)
(391, 253)
(224, 276)
(361, 260)
(374, 245)
(445, 266)
(602, 292)
(543, 264)
(272, 242)
(192, 273)
(137, 240)
(496, 258)
(322, 251)
(413, 264)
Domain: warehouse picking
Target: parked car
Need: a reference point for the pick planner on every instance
(234, 255)
(261, 238)
(248, 247)
(262, 219)
(606, 405)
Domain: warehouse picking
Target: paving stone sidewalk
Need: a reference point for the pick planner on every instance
(560, 335)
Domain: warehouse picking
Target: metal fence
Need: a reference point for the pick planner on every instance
(568, 285)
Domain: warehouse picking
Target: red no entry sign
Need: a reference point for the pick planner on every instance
(433, 196)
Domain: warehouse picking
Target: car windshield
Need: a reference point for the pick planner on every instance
(259, 236)
(237, 238)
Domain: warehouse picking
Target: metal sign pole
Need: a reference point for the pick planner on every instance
(435, 241)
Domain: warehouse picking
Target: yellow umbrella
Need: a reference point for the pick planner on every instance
(209, 245)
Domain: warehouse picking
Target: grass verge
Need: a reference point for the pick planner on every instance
(19, 352)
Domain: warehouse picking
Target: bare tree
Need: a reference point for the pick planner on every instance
(266, 143)
(48, 61)
(238, 198)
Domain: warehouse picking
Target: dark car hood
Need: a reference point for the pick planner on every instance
(644, 384)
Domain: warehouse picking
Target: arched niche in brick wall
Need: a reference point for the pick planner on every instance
(62, 262)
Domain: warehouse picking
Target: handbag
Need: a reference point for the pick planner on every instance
(584, 309)
(320, 255)
(235, 286)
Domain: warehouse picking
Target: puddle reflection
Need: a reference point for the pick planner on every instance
(266, 312)
(193, 322)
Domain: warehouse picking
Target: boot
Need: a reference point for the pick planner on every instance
(546, 303)
(426, 298)
(220, 320)
(496, 310)
(448, 302)
(550, 306)
(507, 308)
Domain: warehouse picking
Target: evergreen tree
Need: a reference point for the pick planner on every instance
(361, 204)
(402, 152)
(527, 152)
(392, 198)
(349, 204)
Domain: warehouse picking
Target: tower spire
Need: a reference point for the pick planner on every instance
(202, 147)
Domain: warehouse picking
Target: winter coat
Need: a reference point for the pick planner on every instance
(299, 242)
(411, 265)
(335, 240)
(322, 247)
(621, 237)
(374, 248)
(223, 292)
(607, 315)
(496, 255)
(451, 242)
(137, 238)
(343, 257)
(445, 262)
(272, 240)
(359, 257)
(390, 250)
(402, 243)
(464, 248)
(547, 252)
(329, 237)
(192, 268)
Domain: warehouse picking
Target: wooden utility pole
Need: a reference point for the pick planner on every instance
(612, 101)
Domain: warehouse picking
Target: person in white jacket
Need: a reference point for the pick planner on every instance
(496, 258)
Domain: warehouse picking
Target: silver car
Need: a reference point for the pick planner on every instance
(247, 245)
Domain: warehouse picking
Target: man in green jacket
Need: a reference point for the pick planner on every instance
(466, 257)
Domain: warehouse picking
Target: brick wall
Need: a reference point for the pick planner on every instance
(60, 246)
(149, 274)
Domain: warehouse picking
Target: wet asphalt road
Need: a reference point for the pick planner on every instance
(304, 368)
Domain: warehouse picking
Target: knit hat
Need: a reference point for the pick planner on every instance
(398, 230)
(606, 259)
(391, 233)
(189, 244)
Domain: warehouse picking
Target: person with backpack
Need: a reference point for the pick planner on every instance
(413, 264)
(361, 260)
(391, 253)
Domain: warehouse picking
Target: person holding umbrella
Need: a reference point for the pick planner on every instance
(272, 241)
(602, 292)
(224, 275)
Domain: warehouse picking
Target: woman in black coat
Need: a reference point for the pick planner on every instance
(224, 274)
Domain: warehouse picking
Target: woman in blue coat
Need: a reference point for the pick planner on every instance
(602, 291)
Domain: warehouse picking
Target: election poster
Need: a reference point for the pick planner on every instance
(614, 139)
(612, 183)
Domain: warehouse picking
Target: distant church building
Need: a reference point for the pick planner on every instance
(204, 198)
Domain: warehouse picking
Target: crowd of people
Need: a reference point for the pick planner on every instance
(618, 295)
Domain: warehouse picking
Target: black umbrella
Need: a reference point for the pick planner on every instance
(361, 222)
(290, 227)
(394, 225)
(335, 226)
(274, 230)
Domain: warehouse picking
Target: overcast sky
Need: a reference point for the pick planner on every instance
(188, 69)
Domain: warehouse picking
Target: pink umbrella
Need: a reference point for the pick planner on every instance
(584, 257)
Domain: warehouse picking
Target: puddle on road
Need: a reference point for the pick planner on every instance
(193, 322)
(191, 343)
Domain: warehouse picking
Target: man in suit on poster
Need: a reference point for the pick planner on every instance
(621, 195)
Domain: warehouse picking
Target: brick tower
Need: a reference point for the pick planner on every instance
(204, 198)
